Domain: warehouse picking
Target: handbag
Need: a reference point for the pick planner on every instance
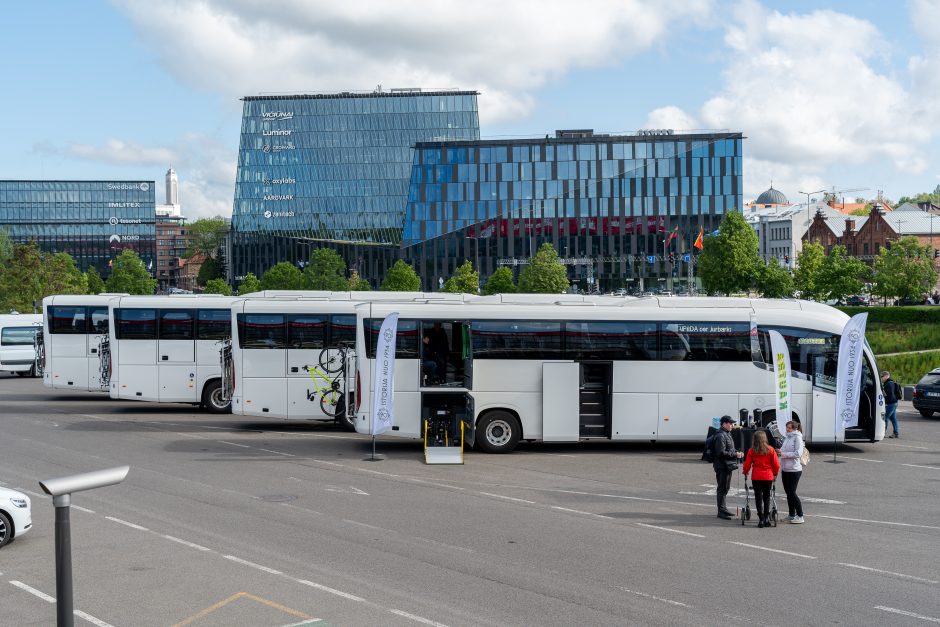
(804, 456)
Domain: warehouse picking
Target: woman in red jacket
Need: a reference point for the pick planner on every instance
(766, 466)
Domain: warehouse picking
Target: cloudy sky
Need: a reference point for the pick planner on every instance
(830, 95)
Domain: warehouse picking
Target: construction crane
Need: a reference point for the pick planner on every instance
(835, 194)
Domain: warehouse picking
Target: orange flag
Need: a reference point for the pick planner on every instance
(698, 240)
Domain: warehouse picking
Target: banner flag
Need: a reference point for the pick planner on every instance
(383, 396)
(849, 371)
(698, 240)
(782, 372)
(673, 235)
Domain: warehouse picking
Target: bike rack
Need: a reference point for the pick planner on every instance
(104, 362)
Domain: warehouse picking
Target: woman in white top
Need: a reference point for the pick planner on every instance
(791, 469)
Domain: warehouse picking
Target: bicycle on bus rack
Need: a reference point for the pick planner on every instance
(332, 372)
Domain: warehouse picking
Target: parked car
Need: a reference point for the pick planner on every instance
(856, 301)
(927, 393)
(15, 516)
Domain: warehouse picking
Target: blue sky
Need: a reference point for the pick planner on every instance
(830, 95)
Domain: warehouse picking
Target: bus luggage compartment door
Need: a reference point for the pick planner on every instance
(560, 401)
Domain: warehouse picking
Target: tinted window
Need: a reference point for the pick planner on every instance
(177, 324)
(262, 331)
(18, 336)
(610, 340)
(512, 339)
(705, 341)
(811, 352)
(406, 338)
(99, 319)
(213, 324)
(306, 331)
(136, 324)
(930, 379)
(67, 320)
(343, 331)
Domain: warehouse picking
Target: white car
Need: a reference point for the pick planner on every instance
(15, 516)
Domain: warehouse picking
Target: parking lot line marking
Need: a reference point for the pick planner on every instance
(312, 621)
(31, 493)
(252, 564)
(362, 524)
(417, 619)
(685, 533)
(894, 610)
(655, 598)
(339, 593)
(33, 591)
(233, 444)
(878, 522)
(632, 498)
(191, 545)
(126, 524)
(764, 548)
(578, 511)
(888, 572)
(91, 619)
(926, 448)
(919, 466)
(267, 450)
(865, 459)
(83, 509)
(508, 498)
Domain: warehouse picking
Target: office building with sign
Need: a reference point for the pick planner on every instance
(93, 221)
(332, 169)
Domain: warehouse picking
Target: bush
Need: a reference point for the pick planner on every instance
(887, 337)
(907, 369)
(898, 315)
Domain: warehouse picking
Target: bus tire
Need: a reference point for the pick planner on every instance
(498, 432)
(212, 400)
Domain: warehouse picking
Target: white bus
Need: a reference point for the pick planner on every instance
(166, 348)
(651, 369)
(18, 343)
(291, 357)
(73, 330)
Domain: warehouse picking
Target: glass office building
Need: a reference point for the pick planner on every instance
(329, 169)
(608, 204)
(93, 221)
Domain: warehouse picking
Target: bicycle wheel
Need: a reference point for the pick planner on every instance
(332, 360)
(332, 402)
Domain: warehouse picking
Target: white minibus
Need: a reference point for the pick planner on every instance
(649, 369)
(18, 343)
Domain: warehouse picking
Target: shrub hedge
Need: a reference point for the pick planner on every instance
(897, 314)
(907, 369)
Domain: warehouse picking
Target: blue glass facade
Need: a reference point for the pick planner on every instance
(607, 203)
(93, 221)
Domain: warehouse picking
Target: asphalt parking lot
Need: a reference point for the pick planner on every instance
(229, 521)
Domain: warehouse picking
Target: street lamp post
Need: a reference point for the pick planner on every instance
(809, 219)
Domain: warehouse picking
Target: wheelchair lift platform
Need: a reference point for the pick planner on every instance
(439, 446)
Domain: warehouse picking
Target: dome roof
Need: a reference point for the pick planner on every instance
(772, 197)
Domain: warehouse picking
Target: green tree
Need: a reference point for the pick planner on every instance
(841, 275)
(905, 270)
(357, 283)
(774, 280)
(282, 276)
(545, 274)
(217, 286)
(60, 275)
(808, 268)
(464, 281)
(206, 236)
(129, 275)
(729, 261)
(500, 282)
(326, 271)
(95, 282)
(933, 197)
(207, 271)
(249, 284)
(401, 277)
(21, 278)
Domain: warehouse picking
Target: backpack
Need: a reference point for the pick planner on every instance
(708, 453)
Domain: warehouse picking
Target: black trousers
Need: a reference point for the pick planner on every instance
(790, 481)
(723, 479)
(762, 497)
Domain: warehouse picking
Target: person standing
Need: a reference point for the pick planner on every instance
(791, 469)
(892, 395)
(726, 462)
(766, 465)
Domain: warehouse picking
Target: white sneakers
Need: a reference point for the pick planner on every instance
(795, 520)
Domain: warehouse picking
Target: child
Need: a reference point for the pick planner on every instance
(763, 460)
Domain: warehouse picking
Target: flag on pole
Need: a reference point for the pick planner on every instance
(698, 240)
(849, 371)
(672, 235)
(383, 396)
(781, 361)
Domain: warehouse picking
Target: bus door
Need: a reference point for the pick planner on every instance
(561, 401)
(213, 333)
(176, 353)
(868, 407)
(68, 346)
(308, 379)
(822, 420)
(262, 338)
(135, 371)
(97, 333)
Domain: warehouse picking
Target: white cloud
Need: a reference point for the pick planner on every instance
(671, 117)
(790, 179)
(503, 49)
(119, 152)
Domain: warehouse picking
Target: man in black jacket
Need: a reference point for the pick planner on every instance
(893, 394)
(726, 462)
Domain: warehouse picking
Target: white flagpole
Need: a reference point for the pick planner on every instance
(849, 376)
(383, 377)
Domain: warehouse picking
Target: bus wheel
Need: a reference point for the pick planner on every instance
(212, 399)
(498, 432)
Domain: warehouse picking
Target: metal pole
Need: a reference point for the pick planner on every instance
(63, 562)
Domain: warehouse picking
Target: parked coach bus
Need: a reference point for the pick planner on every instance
(292, 358)
(166, 348)
(70, 348)
(17, 343)
(650, 369)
